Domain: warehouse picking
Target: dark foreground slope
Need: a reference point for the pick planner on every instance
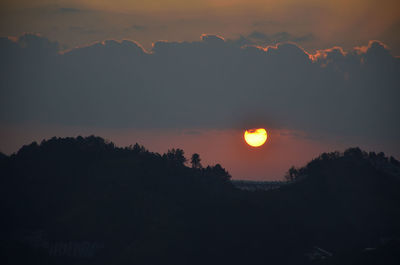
(84, 201)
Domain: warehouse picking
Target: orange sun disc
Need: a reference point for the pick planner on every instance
(255, 137)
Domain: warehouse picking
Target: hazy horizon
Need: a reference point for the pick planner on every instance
(226, 147)
(317, 76)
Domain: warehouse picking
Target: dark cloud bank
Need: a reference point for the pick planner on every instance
(211, 83)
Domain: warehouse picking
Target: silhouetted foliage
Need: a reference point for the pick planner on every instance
(3, 157)
(195, 161)
(394, 161)
(176, 156)
(292, 174)
(85, 201)
(217, 171)
(353, 155)
(137, 148)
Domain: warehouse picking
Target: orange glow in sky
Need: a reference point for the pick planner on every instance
(315, 24)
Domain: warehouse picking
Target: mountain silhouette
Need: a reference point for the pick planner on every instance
(86, 201)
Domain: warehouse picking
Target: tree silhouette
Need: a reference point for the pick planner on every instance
(218, 172)
(195, 161)
(177, 156)
(137, 148)
(292, 174)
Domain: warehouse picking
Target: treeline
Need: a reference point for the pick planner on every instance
(150, 208)
(92, 148)
(390, 165)
(87, 189)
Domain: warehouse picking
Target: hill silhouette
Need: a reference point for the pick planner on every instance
(86, 201)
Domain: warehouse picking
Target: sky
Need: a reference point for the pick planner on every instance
(318, 75)
(315, 24)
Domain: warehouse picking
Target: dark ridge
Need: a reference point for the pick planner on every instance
(86, 201)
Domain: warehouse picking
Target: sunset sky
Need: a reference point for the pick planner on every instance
(318, 75)
(313, 23)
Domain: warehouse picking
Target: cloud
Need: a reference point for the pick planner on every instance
(28, 47)
(210, 83)
(304, 38)
(261, 38)
(212, 39)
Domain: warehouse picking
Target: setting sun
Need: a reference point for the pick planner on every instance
(255, 137)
